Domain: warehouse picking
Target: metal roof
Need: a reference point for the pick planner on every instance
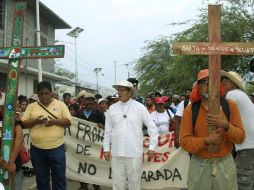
(49, 15)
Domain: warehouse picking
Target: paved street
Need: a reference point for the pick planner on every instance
(72, 185)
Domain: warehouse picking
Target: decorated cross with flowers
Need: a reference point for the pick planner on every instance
(15, 54)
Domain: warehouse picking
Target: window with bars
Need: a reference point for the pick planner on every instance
(3, 81)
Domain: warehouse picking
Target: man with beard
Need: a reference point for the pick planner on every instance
(208, 170)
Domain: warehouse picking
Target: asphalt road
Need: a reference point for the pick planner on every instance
(71, 185)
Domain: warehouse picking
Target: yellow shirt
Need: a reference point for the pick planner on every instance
(47, 137)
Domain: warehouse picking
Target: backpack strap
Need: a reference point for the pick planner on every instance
(225, 107)
(195, 111)
(185, 103)
(196, 106)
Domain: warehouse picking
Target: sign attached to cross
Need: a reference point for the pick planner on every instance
(15, 54)
(214, 48)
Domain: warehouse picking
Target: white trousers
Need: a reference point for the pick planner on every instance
(126, 169)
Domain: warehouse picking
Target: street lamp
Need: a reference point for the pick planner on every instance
(75, 33)
(127, 66)
(97, 70)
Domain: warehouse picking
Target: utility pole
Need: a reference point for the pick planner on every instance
(97, 70)
(75, 34)
(38, 32)
(115, 71)
(127, 66)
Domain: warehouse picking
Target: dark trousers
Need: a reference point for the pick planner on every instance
(245, 169)
(46, 161)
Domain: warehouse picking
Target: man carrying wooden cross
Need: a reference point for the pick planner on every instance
(209, 170)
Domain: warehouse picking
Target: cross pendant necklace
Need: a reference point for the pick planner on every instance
(125, 114)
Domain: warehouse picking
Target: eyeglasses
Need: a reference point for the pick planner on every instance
(203, 82)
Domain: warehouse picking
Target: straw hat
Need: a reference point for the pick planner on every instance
(81, 93)
(89, 95)
(34, 97)
(123, 83)
(234, 77)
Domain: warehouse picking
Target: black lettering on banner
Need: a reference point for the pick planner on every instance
(67, 129)
(83, 149)
(176, 174)
(150, 175)
(165, 174)
(87, 129)
(159, 174)
(97, 135)
(168, 174)
(143, 177)
(110, 173)
(87, 168)
(92, 134)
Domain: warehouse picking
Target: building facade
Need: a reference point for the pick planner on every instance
(49, 22)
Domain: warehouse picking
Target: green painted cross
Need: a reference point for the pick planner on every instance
(15, 53)
(214, 48)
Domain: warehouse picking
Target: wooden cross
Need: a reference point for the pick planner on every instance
(214, 48)
(15, 53)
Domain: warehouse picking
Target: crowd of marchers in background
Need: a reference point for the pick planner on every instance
(163, 110)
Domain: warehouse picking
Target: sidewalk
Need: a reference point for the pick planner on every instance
(71, 185)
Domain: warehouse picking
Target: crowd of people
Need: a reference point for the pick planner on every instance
(126, 117)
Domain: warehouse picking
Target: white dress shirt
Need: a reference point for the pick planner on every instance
(125, 134)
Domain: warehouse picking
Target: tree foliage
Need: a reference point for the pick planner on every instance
(59, 70)
(159, 70)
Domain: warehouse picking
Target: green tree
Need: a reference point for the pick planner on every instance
(159, 70)
(59, 70)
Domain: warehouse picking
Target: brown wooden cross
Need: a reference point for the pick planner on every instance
(214, 48)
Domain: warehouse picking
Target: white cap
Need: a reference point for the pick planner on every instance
(101, 100)
(123, 83)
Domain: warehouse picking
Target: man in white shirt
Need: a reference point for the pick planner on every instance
(123, 131)
(232, 83)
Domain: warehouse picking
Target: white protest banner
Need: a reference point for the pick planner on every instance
(85, 161)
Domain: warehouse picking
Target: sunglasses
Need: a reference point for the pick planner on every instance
(203, 82)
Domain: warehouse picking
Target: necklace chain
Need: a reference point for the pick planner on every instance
(125, 114)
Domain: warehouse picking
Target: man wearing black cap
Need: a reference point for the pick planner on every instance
(135, 96)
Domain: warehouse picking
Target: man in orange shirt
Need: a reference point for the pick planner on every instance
(211, 170)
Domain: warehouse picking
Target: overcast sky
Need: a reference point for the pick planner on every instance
(116, 30)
